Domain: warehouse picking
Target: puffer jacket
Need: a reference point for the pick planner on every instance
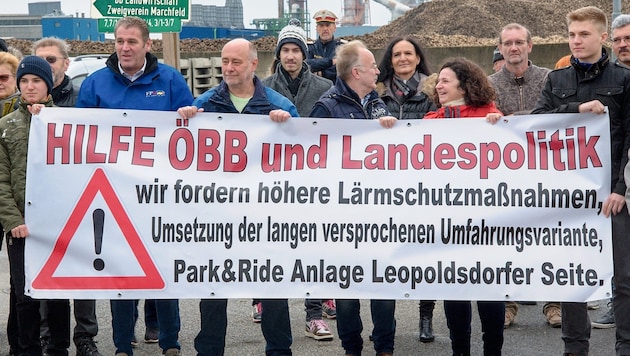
(518, 98)
(310, 89)
(14, 132)
(415, 107)
(568, 87)
(462, 111)
(264, 100)
(341, 101)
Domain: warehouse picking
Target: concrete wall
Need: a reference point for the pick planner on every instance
(543, 55)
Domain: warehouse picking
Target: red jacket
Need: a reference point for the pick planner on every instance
(459, 111)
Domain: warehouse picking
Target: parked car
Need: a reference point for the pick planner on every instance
(82, 66)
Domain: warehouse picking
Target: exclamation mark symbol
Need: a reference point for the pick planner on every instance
(98, 218)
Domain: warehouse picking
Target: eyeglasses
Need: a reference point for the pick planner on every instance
(373, 65)
(52, 59)
(5, 77)
(617, 40)
(518, 43)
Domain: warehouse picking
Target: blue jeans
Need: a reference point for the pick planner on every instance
(275, 324)
(350, 326)
(458, 318)
(124, 321)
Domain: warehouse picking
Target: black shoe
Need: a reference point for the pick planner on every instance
(151, 336)
(426, 329)
(87, 347)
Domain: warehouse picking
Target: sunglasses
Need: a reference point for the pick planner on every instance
(52, 59)
(5, 77)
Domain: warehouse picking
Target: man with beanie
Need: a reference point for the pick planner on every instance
(293, 79)
(132, 73)
(497, 60)
(55, 52)
(35, 80)
(291, 76)
(321, 53)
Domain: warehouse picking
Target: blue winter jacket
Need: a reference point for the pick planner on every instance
(161, 87)
(341, 101)
(264, 100)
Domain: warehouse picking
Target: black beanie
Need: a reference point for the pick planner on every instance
(36, 66)
(496, 55)
(292, 33)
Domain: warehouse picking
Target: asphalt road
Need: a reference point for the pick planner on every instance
(530, 335)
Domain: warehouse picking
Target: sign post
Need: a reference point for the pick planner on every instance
(162, 16)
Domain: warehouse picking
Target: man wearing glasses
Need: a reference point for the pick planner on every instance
(518, 85)
(55, 52)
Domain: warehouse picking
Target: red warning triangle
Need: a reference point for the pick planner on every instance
(151, 279)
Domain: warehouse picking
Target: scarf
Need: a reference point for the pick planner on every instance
(405, 89)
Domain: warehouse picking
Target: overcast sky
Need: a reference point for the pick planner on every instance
(251, 8)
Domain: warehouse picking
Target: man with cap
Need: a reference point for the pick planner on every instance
(35, 81)
(321, 53)
(497, 60)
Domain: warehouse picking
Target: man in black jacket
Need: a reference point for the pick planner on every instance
(55, 52)
(590, 84)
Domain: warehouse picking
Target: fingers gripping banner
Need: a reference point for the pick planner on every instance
(142, 204)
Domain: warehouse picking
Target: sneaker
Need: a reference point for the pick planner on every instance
(510, 314)
(134, 341)
(593, 305)
(329, 309)
(606, 320)
(172, 352)
(257, 313)
(151, 335)
(318, 330)
(553, 314)
(87, 347)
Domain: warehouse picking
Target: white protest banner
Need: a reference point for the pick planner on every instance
(142, 204)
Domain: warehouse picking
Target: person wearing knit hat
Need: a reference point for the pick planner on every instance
(292, 33)
(36, 66)
(34, 78)
(497, 60)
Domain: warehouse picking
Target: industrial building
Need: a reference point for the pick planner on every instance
(207, 21)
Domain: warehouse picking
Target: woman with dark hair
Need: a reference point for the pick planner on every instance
(463, 90)
(403, 70)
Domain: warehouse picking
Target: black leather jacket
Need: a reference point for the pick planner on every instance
(65, 95)
(568, 87)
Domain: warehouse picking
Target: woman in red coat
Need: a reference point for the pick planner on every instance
(463, 90)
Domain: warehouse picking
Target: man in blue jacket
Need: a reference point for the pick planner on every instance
(133, 79)
(242, 92)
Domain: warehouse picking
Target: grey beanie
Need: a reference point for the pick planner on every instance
(36, 66)
(292, 33)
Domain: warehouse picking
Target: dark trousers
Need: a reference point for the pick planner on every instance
(27, 311)
(459, 317)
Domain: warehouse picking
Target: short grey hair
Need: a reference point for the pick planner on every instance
(622, 20)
